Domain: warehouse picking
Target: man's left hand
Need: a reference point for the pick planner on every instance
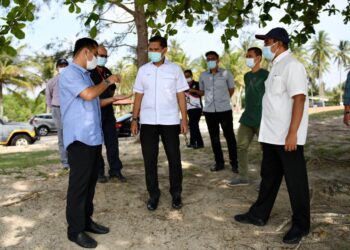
(291, 142)
(184, 126)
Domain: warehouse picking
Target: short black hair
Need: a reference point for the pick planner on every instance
(212, 53)
(84, 43)
(188, 71)
(256, 50)
(162, 41)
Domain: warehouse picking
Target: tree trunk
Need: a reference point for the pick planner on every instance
(1, 102)
(142, 34)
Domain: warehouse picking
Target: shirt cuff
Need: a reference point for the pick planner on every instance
(182, 89)
(297, 92)
(138, 91)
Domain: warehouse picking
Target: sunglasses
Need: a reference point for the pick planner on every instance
(105, 56)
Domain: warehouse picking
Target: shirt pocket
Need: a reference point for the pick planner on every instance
(168, 81)
(277, 87)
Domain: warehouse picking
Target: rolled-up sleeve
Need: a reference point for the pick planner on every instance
(346, 96)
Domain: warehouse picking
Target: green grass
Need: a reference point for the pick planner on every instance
(18, 161)
(325, 115)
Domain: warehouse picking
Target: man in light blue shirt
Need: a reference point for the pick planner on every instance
(82, 137)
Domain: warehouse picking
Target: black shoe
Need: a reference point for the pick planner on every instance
(198, 146)
(152, 204)
(118, 176)
(102, 179)
(235, 170)
(190, 145)
(97, 229)
(294, 235)
(177, 203)
(248, 219)
(217, 168)
(83, 240)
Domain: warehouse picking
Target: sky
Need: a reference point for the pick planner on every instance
(56, 23)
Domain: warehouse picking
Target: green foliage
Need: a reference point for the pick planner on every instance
(18, 13)
(19, 107)
(161, 15)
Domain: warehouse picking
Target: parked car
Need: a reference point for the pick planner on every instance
(123, 125)
(17, 133)
(43, 123)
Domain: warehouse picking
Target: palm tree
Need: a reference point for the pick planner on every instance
(177, 55)
(342, 59)
(234, 61)
(14, 73)
(321, 52)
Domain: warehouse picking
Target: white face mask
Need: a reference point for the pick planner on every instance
(189, 79)
(91, 64)
(60, 70)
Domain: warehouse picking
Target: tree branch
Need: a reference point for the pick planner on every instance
(117, 22)
(120, 5)
(121, 45)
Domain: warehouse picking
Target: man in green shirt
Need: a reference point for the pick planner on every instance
(254, 82)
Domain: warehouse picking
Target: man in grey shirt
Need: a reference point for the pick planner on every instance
(53, 102)
(218, 86)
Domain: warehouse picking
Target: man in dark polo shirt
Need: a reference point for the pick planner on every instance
(108, 121)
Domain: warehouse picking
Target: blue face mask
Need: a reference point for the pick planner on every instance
(267, 53)
(211, 64)
(101, 61)
(154, 56)
(250, 62)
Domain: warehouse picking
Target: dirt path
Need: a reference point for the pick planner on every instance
(32, 203)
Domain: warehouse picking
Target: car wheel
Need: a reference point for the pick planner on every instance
(43, 130)
(21, 140)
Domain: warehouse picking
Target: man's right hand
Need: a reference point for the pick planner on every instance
(114, 79)
(134, 128)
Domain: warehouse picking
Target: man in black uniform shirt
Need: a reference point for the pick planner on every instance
(194, 111)
(108, 121)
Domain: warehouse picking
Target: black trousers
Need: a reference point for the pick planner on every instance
(214, 120)
(277, 163)
(83, 161)
(111, 143)
(149, 136)
(194, 115)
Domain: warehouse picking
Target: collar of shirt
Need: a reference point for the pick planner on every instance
(280, 57)
(219, 70)
(166, 61)
(77, 66)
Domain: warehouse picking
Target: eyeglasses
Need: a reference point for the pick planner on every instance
(105, 56)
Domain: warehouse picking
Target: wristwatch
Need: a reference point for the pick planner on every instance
(347, 112)
(135, 119)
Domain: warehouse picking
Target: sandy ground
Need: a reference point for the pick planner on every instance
(32, 204)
